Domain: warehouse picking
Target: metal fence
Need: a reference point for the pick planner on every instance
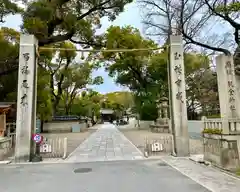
(54, 148)
(49, 148)
(161, 145)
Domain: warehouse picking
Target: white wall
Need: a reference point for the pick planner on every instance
(195, 128)
(61, 126)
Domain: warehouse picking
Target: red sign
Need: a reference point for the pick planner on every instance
(37, 138)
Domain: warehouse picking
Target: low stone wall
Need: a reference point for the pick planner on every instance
(221, 152)
(195, 127)
(145, 125)
(62, 126)
(5, 147)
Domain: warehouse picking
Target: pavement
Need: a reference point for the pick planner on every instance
(109, 176)
(97, 166)
(211, 178)
(106, 144)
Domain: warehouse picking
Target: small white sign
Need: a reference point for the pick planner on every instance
(45, 148)
(156, 147)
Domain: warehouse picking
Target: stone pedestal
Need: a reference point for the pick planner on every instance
(178, 100)
(26, 101)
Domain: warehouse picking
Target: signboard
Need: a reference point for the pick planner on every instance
(37, 138)
(45, 148)
(38, 126)
(156, 147)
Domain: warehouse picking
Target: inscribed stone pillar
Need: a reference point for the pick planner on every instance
(179, 107)
(26, 101)
(227, 89)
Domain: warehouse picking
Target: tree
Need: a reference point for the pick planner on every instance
(128, 38)
(9, 45)
(124, 98)
(8, 7)
(88, 104)
(67, 77)
(58, 70)
(196, 21)
(44, 105)
(77, 20)
(78, 77)
(54, 21)
(132, 69)
(146, 74)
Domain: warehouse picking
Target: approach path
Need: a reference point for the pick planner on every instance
(106, 144)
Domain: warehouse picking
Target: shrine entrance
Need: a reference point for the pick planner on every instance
(27, 92)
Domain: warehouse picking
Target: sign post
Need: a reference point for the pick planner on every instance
(37, 138)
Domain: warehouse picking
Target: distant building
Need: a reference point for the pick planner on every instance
(7, 114)
(10, 109)
(107, 114)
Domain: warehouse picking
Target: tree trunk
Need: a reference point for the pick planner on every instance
(55, 105)
(67, 107)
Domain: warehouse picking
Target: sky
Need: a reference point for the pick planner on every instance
(131, 16)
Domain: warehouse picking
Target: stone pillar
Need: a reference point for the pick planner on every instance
(227, 89)
(26, 101)
(178, 99)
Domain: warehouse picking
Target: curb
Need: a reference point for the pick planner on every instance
(5, 162)
(209, 164)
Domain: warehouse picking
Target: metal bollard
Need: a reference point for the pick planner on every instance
(64, 148)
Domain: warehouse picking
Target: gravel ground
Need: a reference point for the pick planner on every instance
(137, 137)
(74, 139)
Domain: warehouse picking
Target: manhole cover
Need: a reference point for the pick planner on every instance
(162, 164)
(82, 170)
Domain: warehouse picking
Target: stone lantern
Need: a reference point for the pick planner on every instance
(159, 108)
(161, 125)
(164, 105)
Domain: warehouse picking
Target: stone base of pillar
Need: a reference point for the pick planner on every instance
(22, 159)
(182, 146)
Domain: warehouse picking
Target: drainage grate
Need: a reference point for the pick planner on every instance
(162, 164)
(83, 170)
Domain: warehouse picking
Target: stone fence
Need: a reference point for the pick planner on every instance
(7, 145)
(222, 151)
(64, 126)
(195, 127)
(222, 142)
(231, 125)
(145, 124)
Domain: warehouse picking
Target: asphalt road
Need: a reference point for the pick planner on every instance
(121, 176)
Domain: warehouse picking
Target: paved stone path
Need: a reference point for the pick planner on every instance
(209, 177)
(106, 144)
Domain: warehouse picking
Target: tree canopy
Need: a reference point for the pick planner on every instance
(64, 76)
(197, 21)
(145, 72)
